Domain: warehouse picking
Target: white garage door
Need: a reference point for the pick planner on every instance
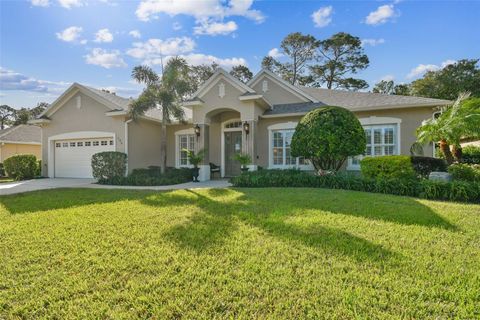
(73, 158)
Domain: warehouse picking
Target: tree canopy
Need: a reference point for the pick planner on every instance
(327, 136)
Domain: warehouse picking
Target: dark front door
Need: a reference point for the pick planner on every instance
(233, 145)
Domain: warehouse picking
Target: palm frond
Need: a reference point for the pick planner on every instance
(145, 75)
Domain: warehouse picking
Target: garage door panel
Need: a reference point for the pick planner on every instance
(73, 157)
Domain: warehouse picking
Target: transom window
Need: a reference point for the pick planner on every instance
(234, 124)
(381, 141)
(185, 141)
(281, 156)
(65, 144)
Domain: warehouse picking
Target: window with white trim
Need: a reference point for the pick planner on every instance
(381, 141)
(96, 143)
(88, 143)
(185, 141)
(281, 154)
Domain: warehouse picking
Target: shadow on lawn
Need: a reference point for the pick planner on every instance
(217, 213)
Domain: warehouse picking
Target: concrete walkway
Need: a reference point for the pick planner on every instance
(43, 184)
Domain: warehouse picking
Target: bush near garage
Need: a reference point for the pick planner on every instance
(435, 190)
(109, 165)
(152, 176)
(21, 166)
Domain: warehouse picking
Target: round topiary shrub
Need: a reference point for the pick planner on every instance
(327, 137)
(21, 166)
(109, 165)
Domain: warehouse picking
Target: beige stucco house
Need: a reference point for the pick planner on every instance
(225, 116)
(21, 139)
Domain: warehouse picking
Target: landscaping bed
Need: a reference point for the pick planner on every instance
(236, 253)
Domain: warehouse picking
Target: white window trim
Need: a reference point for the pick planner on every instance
(177, 146)
(379, 121)
(222, 141)
(282, 126)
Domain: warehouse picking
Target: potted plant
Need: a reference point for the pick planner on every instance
(244, 160)
(195, 159)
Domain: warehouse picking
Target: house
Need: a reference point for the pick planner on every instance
(225, 116)
(21, 139)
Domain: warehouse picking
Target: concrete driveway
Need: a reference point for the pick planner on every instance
(43, 184)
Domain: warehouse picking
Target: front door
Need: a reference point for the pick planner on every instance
(233, 145)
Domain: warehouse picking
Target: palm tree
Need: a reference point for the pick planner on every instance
(460, 120)
(164, 92)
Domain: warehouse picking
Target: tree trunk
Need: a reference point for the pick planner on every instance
(163, 147)
(457, 153)
(445, 147)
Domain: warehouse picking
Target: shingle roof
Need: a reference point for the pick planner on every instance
(365, 100)
(301, 108)
(21, 133)
(121, 102)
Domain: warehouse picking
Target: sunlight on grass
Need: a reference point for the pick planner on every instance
(247, 253)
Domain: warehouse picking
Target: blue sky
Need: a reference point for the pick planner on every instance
(45, 45)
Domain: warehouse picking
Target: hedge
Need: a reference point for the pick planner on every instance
(424, 165)
(454, 191)
(387, 167)
(471, 154)
(152, 177)
(465, 172)
(21, 167)
(109, 165)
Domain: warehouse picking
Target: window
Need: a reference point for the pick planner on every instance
(234, 124)
(58, 145)
(95, 143)
(185, 141)
(104, 143)
(381, 141)
(79, 144)
(88, 143)
(65, 144)
(281, 157)
(111, 142)
(72, 144)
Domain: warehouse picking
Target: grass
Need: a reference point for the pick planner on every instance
(237, 253)
(6, 180)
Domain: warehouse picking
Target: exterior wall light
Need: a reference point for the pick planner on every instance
(197, 130)
(246, 127)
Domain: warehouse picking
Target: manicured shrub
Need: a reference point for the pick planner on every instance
(109, 165)
(424, 165)
(2, 170)
(465, 172)
(21, 167)
(152, 177)
(387, 167)
(453, 191)
(471, 154)
(327, 137)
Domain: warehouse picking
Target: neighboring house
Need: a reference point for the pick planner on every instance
(225, 116)
(21, 139)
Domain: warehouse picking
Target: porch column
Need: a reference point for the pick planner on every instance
(202, 143)
(249, 144)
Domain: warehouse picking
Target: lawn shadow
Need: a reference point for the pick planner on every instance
(217, 219)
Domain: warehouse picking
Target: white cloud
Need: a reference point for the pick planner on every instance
(275, 53)
(372, 42)
(40, 3)
(156, 48)
(388, 77)
(381, 15)
(176, 26)
(70, 34)
(422, 68)
(218, 9)
(103, 35)
(70, 3)
(322, 17)
(105, 58)
(11, 80)
(215, 28)
(200, 58)
(135, 34)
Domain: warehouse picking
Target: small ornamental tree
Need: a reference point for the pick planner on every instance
(327, 137)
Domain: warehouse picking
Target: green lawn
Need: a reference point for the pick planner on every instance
(6, 180)
(237, 253)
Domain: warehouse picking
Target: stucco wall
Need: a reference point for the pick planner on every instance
(8, 149)
(90, 117)
(143, 144)
(275, 93)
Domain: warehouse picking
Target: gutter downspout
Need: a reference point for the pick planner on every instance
(126, 141)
